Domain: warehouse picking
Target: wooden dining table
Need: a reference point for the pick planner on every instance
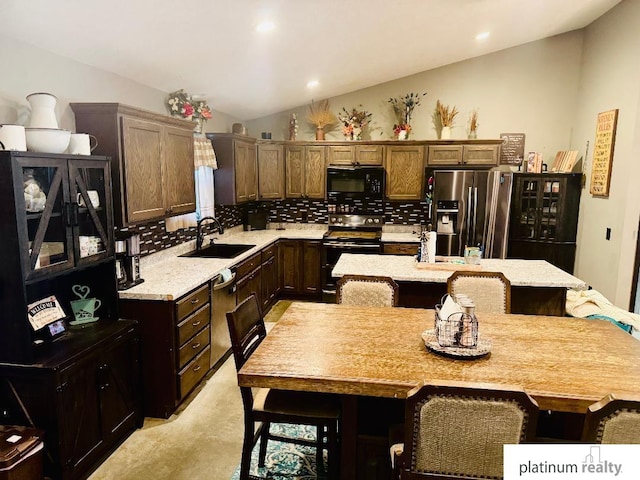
(564, 363)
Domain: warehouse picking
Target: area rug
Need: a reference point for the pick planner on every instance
(286, 461)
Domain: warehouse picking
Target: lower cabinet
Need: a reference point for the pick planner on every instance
(269, 276)
(393, 248)
(300, 264)
(86, 398)
(175, 347)
(249, 278)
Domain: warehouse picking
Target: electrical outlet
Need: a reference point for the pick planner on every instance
(608, 234)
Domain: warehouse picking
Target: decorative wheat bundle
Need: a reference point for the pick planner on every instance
(446, 114)
(320, 115)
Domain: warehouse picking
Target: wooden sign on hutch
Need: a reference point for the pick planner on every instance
(603, 153)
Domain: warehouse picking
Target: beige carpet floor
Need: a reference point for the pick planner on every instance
(202, 439)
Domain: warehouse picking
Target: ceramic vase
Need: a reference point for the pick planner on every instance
(445, 134)
(319, 133)
(473, 135)
(402, 135)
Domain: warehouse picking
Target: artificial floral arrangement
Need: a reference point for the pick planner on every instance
(354, 122)
(403, 110)
(320, 115)
(181, 104)
(446, 114)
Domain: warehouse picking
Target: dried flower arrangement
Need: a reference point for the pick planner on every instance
(181, 104)
(320, 115)
(403, 110)
(473, 121)
(354, 122)
(446, 114)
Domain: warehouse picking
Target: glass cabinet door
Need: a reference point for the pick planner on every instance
(528, 208)
(90, 192)
(549, 208)
(42, 199)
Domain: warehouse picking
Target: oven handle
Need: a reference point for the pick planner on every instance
(349, 245)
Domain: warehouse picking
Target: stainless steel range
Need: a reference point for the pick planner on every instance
(347, 234)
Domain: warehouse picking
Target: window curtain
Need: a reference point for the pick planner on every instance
(204, 162)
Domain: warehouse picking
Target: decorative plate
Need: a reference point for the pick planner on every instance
(431, 342)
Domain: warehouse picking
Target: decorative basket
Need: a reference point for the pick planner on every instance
(459, 330)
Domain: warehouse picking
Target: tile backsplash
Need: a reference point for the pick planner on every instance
(154, 236)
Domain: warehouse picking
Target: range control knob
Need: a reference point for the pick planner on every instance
(376, 220)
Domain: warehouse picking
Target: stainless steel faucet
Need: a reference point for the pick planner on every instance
(200, 233)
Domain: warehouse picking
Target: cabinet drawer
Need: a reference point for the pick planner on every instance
(269, 252)
(400, 248)
(248, 265)
(192, 301)
(481, 154)
(445, 155)
(194, 346)
(194, 372)
(193, 324)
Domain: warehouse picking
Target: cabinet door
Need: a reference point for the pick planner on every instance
(294, 171)
(252, 172)
(241, 165)
(484, 155)
(179, 178)
(249, 284)
(341, 155)
(525, 221)
(444, 155)
(90, 184)
(44, 214)
(143, 170)
(311, 266)
(270, 172)
(290, 263)
(405, 172)
(369, 154)
(269, 279)
(315, 172)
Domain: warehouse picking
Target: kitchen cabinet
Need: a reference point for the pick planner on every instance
(474, 154)
(236, 179)
(175, 338)
(83, 393)
(249, 278)
(270, 171)
(405, 172)
(305, 171)
(300, 264)
(151, 159)
(355, 155)
(393, 248)
(269, 283)
(544, 217)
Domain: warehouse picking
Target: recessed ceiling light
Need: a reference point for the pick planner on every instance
(482, 36)
(313, 84)
(266, 26)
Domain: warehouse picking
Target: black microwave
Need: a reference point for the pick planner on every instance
(355, 182)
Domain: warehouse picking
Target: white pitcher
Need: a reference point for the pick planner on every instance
(43, 113)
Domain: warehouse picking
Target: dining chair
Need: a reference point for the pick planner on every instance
(457, 431)
(490, 291)
(265, 406)
(367, 291)
(613, 420)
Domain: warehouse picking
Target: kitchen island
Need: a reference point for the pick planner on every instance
(537, 287)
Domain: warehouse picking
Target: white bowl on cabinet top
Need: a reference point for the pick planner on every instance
(47, 140)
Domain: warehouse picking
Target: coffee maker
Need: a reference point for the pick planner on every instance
(128, 260)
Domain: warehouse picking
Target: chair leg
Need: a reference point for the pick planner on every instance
(264, 438)
(247, 447)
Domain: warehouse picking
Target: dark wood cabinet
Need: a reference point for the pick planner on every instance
(393, 248)
(151, 159)
(269, 276)
(544, 217)
(270, 171)
(300, 264)
(236, 179)
(248, 274)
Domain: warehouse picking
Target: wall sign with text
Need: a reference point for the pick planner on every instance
(603, 153)
(512, 151)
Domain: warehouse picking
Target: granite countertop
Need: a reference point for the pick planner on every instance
(528, 273)
(167, 276)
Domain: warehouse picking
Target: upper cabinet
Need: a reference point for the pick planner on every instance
(236, 180)
(270, 171)
(305, 171)
(474, 154)
(405, 172)
(152, 159)
(354, 155)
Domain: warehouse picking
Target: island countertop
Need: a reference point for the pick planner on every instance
(527, 273)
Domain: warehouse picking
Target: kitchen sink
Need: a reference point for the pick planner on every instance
(219, 250)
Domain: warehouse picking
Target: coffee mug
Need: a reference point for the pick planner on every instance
(80, 144)
(12, 137)
(94, 198)
(84, 310)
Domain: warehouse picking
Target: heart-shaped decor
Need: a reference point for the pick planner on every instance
(80, 290)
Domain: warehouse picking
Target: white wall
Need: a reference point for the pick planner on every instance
(609, 80)
(26, 69)
(531, 88)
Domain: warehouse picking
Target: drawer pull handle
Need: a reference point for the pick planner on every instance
(195, 324)
(196, 345)
(194, 301)
(197, 367)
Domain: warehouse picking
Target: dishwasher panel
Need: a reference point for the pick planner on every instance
(223, 300)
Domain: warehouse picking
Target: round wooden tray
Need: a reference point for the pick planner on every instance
(431, 342)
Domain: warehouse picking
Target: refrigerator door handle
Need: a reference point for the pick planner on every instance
(468, 238)
(475, 216)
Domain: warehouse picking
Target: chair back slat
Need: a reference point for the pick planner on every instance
(246, 329)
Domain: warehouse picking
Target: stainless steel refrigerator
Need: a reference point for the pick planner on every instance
(472, 209)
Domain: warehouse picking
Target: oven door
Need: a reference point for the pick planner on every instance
(331, 251)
